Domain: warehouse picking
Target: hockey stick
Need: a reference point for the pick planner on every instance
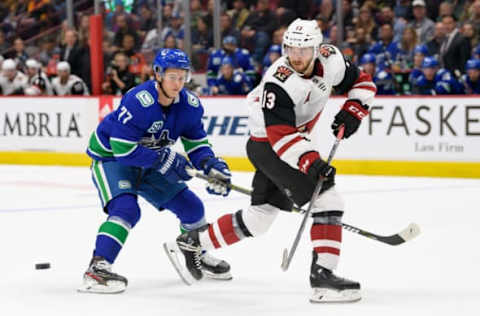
(410, 232)
(288, 255)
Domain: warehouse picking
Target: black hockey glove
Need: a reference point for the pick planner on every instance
(350, 116)
(320, 168)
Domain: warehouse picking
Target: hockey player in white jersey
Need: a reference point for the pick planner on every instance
(283, 109)
(38, 82)
(12, 81)
(66, 83)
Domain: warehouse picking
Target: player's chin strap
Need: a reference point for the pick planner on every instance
(410, 232)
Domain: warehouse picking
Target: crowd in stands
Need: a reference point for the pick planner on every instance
(427, 47)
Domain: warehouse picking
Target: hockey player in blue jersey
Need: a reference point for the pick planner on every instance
(382, 78)
(240, 57)
(231, 81)
(435, 80)
(471, 80)
(419, 53)
(132, 157)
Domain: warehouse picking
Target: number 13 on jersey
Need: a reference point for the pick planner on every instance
(268, 100)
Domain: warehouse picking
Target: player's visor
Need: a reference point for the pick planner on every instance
(299, 51)
(176, 77)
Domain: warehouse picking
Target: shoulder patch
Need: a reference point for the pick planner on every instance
(145, 98)
(282, 73)
(327, 50)
(192, 100)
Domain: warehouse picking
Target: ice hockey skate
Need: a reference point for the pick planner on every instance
(99, 278)
(191, 262)
(329, 288)
(187, 261)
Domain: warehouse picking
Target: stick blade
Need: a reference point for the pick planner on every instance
(285, 263)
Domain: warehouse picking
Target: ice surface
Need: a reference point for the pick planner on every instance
(51, 214)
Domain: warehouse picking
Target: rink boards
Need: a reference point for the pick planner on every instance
(416, 136)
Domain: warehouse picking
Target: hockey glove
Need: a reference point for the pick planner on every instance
(350, 116)
(311, 164)
(217, 168)
(172, 165)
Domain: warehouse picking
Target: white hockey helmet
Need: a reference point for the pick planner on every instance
(303, 33)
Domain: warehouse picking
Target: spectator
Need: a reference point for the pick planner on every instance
(175, 29)
(422, 25)
(474, 17)
(119, 78)
(196, 11)
(231, 81)
(469, 33)
(471, 80)
(202, 40)
(84, 29)
(365, 21)
(454, 51)
(147, 22)
(71, 51)
(399, 24)
(258, 29)
(170, 42)
(277, 37)
(66, 83)
(12, 81)
(360, 46)
(445, 9)
(476, 52)
(136, 59)
(19, 55)
(385, 49)
(285, 16)
(3, 43)
(239, 14)
(123, 28)
(435, 80)
(438, 37)
(226, 27)
(408, 43)
(37, 80)
(301, 9)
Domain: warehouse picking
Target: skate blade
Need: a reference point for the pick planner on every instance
(227, 276)
(172, 251)
(332, 296)
(94, 287)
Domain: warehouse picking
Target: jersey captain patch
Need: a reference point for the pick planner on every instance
(283, 73)
(327, 50)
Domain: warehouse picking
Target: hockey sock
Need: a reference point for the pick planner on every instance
(326, 236)
(111, 237)
(227, 230)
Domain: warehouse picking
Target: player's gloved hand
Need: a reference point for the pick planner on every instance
(350, 116)
(172, 165)
(318, 169)
(217, 168)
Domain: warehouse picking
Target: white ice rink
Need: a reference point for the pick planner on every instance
(51, 214)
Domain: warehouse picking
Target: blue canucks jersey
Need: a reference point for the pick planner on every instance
(470, 87)
(140, 125)
(239, 84)
(240, 57)
(385, 82)
(442, 83)
(386, 54)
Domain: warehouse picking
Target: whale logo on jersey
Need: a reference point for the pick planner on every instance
(283, 73)
(156, 126)
(154, 143)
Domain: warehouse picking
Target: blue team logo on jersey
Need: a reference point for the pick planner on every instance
(156, 126)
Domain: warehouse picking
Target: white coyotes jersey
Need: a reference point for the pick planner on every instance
(18, 84)
(301, 101)
(66, 89)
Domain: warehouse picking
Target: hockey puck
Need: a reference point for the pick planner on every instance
(42, 266)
